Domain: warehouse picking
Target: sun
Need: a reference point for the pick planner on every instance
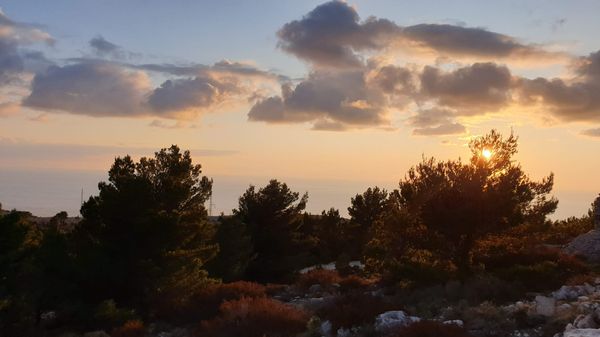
(486, 153)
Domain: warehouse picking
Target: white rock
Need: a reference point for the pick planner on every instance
(582, 333)
(563, 308)
(455, 322)
(545, 306)
(393, 319)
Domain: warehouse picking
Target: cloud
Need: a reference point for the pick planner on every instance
(440, 130)
(468, 41)
(435, 122)
(326, 99)
(333, 35)
(13, 36)
(591, 132)
(476, 89)
(103, 88)
(180, 95)
(575, 99)
(94, 89)
(9, 109)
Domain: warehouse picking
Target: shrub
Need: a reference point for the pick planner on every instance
(323, 277)
(354, 282)
(430, 329)
(204, 303)
(353, 309)
(134, 328)
(254, 317)
(108, 314)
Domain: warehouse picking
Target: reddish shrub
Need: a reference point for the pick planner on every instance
(318, 276)
(353, 309)
(430, 329)
(354, 282)
(206, 303)
(581, 279)
(254, 317)
(134, 328)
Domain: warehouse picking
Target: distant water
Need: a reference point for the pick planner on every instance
(46, 192)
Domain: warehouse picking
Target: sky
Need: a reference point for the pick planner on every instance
(331, 97)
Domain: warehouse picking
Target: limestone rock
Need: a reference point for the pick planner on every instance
(545, 306)
(393, 319)
(586, 245)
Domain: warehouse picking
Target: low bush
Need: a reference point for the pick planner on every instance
(204, 304)
(322, 277)
(134, 328)
(430, 329)
(354, 282)
(254, 317)
(353, 309)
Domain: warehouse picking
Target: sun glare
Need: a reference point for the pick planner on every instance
(486, 153)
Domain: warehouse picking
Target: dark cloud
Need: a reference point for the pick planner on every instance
(95, 89)
(476, 89)
(105, 49)
(577, 99)
(13, 36)
(468, 41)
(197, 93)
(223, 67)
(332, 34)
(392, 80)
(332, 97)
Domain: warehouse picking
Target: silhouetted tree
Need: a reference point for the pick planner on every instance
(274, 218)
(146, 234)
(459, 203)
(235, 249)
(18, 306)
(365, 209)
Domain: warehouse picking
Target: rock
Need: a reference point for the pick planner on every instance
(325, 328)
(393, 319)
(315, 288)
(98, 333)
(582, 333)
(585, 322)
(586, 245)
(570, 293)
(455, 322)
(563, 308)
(545, 306)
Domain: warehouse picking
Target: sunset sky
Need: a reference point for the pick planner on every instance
(331, 97)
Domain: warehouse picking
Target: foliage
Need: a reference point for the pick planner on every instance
(236, 250)
(460, 203)
(364, 211)
(146, 234)
(322, 277)
(255, 317)
(273, 215)
(204, 303)
(134, 328)
(353, 309)
(430, 329)
(18, 295)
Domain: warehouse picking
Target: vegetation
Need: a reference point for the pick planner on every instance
(145, 252)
